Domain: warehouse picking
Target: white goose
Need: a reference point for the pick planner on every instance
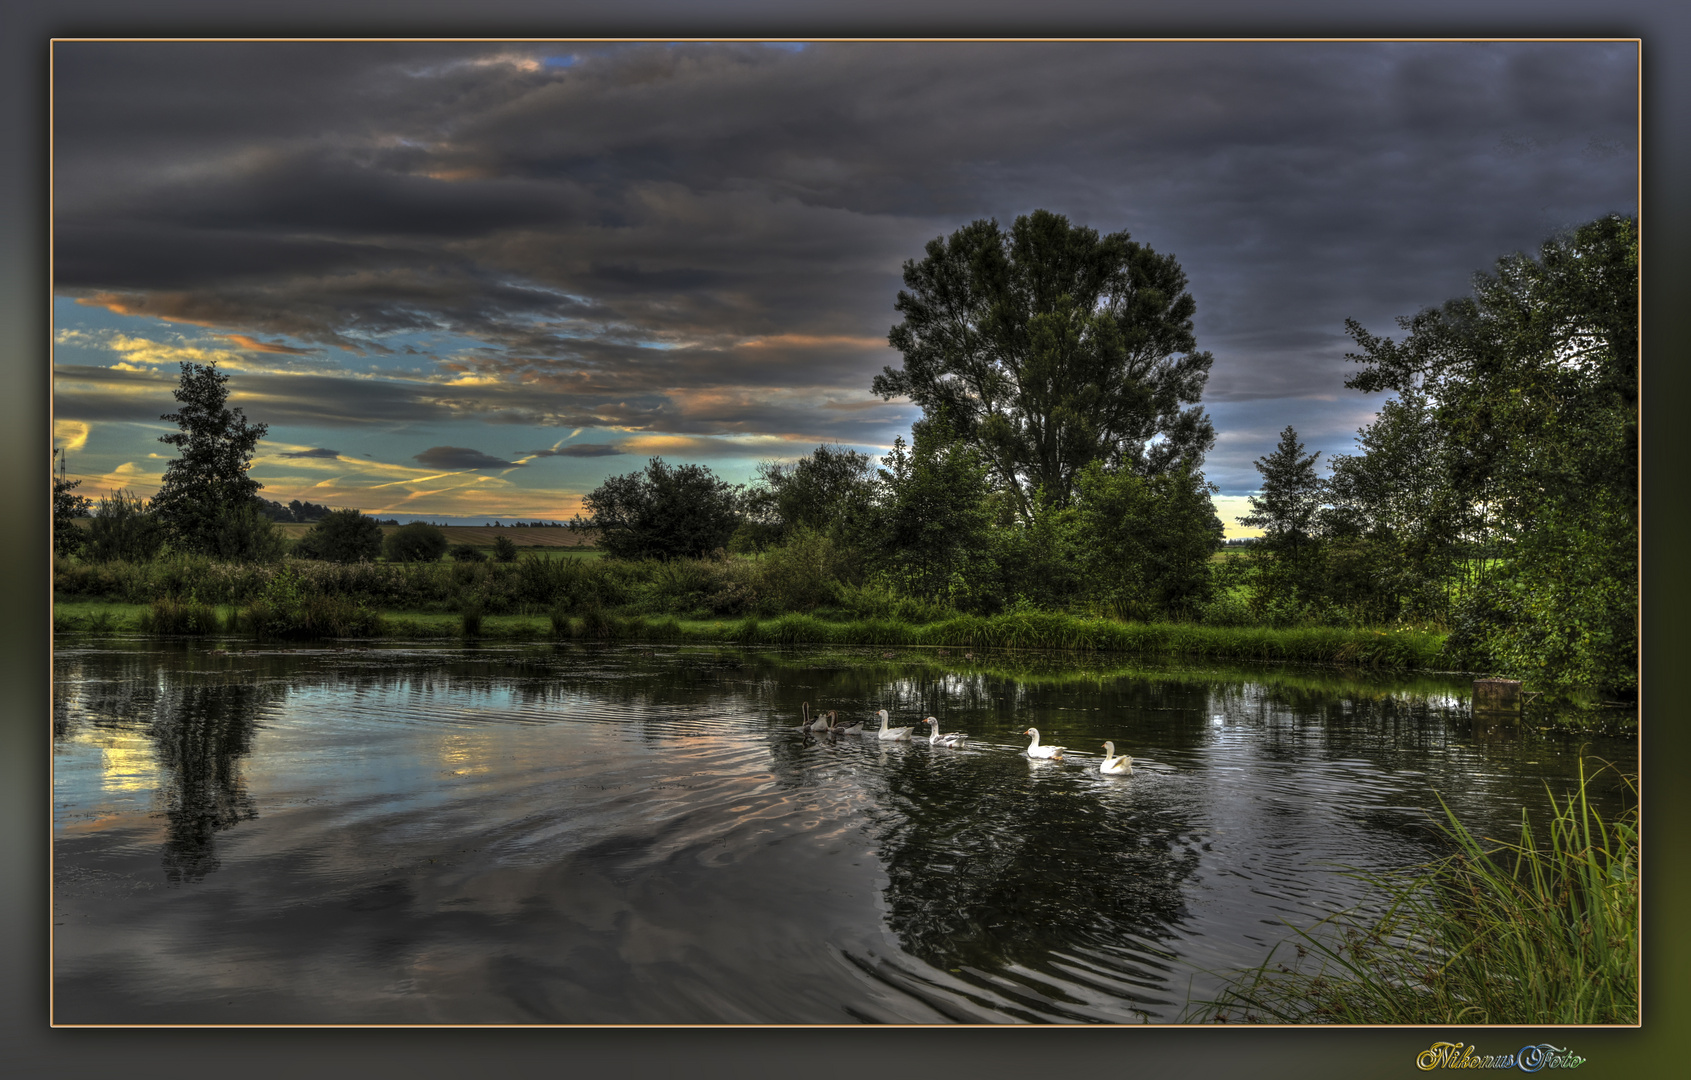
(955, 738)
(1113, 763)
(1037, 751)
(892, 734)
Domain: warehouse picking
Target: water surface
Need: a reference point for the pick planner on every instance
(635, 834)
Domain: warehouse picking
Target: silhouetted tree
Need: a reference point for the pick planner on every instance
(343, 536)
(210, 478)
(664, 512)
(1050, 347)
(416, 542)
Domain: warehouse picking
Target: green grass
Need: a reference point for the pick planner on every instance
(1398, 649)
(1494, 933)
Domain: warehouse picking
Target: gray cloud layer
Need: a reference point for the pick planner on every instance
(457, 457)
(581, 220)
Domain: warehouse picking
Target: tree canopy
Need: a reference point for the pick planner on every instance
(1531, 387)
(416, 542)
(665, 512)
(209, 480)
(343, 536)
(1051, 347)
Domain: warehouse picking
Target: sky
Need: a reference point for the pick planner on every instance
(472, 280)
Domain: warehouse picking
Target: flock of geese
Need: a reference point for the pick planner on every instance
(1114, 764)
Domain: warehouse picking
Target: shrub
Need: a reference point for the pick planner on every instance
(470, 614)
(172, 616)
(289, 609)
(468, 553)
(123, 528)
(242, 535)
(416, 542)
(342, 536)
(504, 549)
(800, 575)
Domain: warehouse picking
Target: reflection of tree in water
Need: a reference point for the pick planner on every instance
(201, 728)
(995, 866)
(199, 709)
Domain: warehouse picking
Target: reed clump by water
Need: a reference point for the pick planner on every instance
(170, 616)
(1495, 933)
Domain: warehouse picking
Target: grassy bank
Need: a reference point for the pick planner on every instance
(1495, 933)
(1397, 650)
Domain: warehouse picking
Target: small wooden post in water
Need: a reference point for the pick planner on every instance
(1497, 695)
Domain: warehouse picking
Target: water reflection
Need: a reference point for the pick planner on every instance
(178, 730)
(604, 834)
(202, 730)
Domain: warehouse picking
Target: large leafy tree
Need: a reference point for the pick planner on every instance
(207, 486)
(1533, 384)
(1050, 347)
(665, 512)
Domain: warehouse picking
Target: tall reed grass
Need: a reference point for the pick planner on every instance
(1494, 933)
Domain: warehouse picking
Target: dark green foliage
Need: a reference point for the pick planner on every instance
(1532, 383)
(1393, 524)
(170, 616)
(470, 612)
(829, 491)
(1289, 558)
(289, 608)
(664, 512)
(1290, 499)
(504, 549)
(242, 534)
(67, 506)
(1039, 563)
(209, 478)
(1145, 542)
(1050, 347)
(342, 536)
(801, 574)
(467, 553)
(932, 529)
(416, 542)
(125, 528)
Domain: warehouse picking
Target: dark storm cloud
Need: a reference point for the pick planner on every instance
(319, 452)
(457, 457)
(576, 218)
(584, 450)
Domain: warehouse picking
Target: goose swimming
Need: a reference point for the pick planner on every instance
(1037, 751)
(1113, 763)
(891, 734)
(955, 738)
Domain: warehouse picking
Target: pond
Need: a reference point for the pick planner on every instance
(637, 834)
